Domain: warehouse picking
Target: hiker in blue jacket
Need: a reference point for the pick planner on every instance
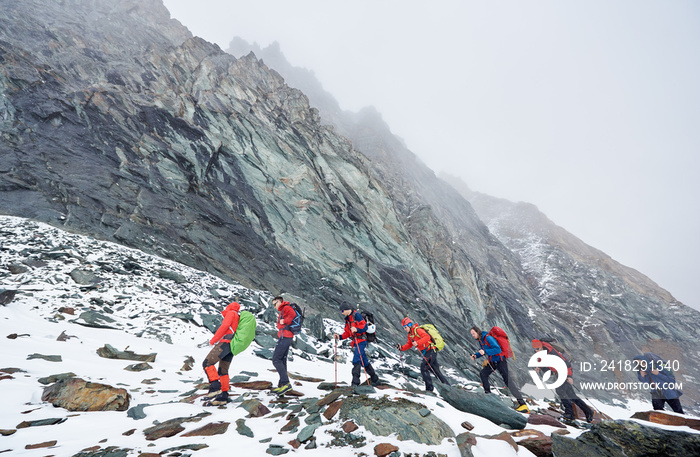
(654, 373)
(491, 349)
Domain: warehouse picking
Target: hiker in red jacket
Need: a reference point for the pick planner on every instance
(221, 354)
(285, 337)
(356, 328)
(565, 392)
(496, 360)
(420, 339)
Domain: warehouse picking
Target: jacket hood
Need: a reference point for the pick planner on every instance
(235, 307)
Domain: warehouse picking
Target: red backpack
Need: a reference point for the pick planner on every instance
(500, 335)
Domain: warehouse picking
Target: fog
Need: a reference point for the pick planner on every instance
(588, 109)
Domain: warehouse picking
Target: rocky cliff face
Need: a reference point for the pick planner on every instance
(561, 287)
(116, 122)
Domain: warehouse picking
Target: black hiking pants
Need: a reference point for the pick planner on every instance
(279, 359)
(502, 368)
(674, 403)
(357, 371)
(430, 365)
(568, 398)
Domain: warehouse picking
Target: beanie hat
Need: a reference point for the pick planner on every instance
(345, 306)
(406, 321)
(537, 344)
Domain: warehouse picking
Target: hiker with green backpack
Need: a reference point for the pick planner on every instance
(496, 348)
(420, 338)
(221, 354)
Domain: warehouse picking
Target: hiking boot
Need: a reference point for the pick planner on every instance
(523, 409)
(589, 417)
(220, 399)
(282, 389)
(375, 382)
(214, 389)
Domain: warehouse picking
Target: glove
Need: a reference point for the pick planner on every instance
(398, 346)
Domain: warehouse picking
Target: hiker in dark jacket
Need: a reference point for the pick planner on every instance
(420, 339)
(285, 337)
(221, 354)
(495, 361)
(662, 381)
(356, 328)
(565, 392)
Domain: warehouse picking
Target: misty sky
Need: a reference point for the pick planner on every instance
(588, 109)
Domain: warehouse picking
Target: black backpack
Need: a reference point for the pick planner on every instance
(369, 320)
(295, 326)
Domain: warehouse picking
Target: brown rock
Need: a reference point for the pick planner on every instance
(7, 432)
(384, 449)
(303, 378)
(544, 419)
(332, 409)
(295, 444)
(291, 425)
(76, 394)
(40, 445)
(465, 441)
(527, 432)
(109, 352)
(149, 454)
(659, 417)
(129, 432)
(467, 425)
(541, 447)
(561, 432)
(504, 436)
(254, 385)
(216, 428)
(349, 427)
(330, 398)
(171, 427)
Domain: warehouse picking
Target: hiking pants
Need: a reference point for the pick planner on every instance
(360, 360)
(674, 403)
(430, 365)
(568, 398)
(279, 359)
(221, 354)
(502, 368)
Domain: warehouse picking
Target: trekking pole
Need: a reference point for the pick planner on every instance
(335, 359)
(357, 347)
(428, 363)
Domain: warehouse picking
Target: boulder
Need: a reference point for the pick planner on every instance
(109, 352)
(622, 438)
(481, 404)
(6, 296)
(384, 449)
(659, 417)
(540, 446)
(402, 417)
(170, 427)
(76, 394)
(216, 428)
(544, 419)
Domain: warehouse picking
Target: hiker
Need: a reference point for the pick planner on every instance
(285, 338)
(221, 354)
(655, 373)
(496, 360)
(566, 391)
(356, 328)
(420, 339)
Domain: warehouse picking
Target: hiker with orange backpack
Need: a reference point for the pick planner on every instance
(496, 360)
(420, 339)
(565, 392)
(356, 328)
(221, 354)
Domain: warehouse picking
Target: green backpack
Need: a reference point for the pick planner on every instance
(435, 336)
(244, 333)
